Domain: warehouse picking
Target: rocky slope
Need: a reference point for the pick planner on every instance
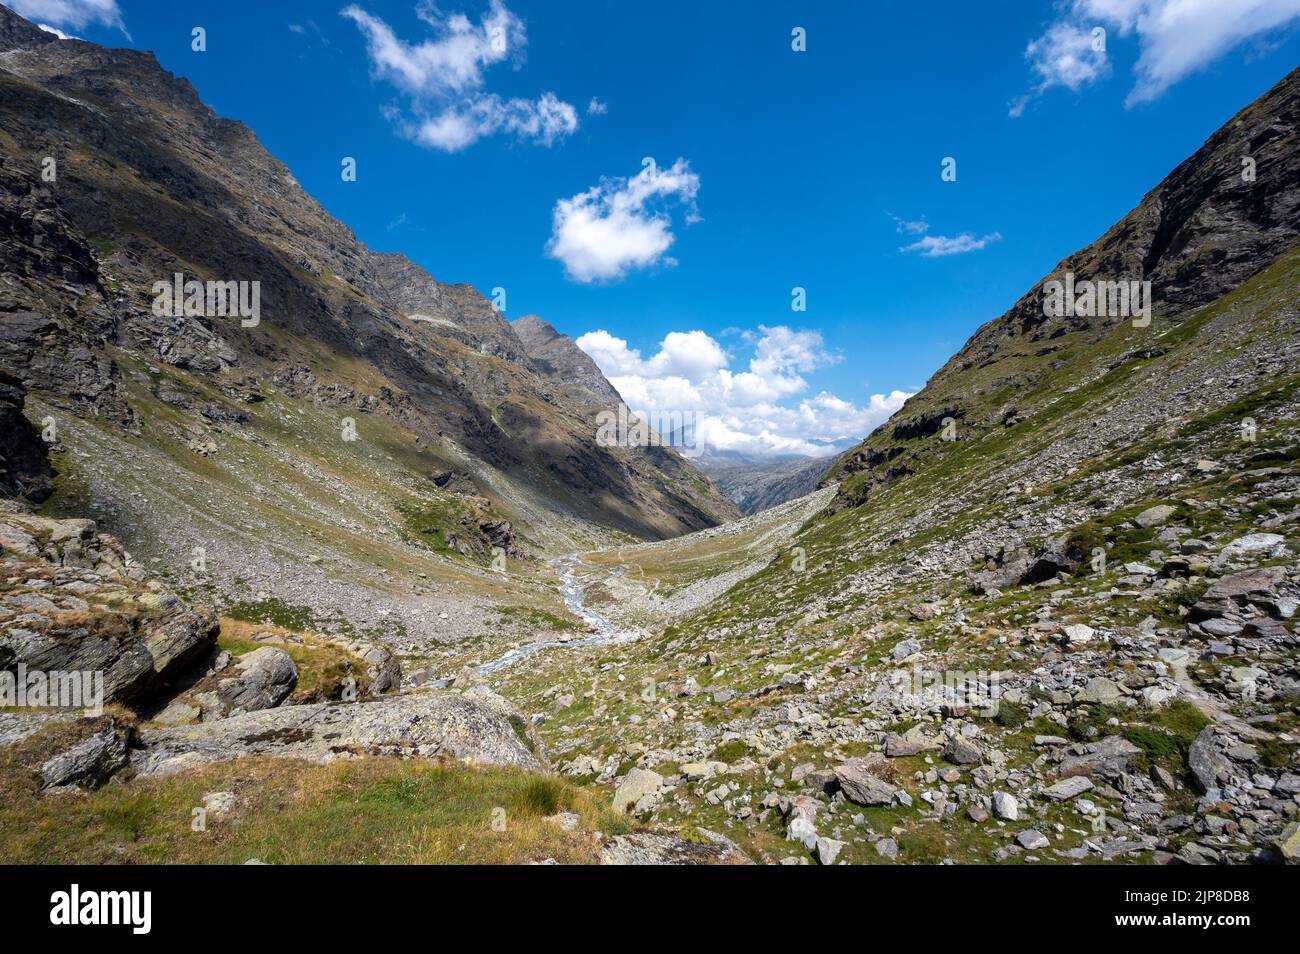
(102, 661)
(1048, 613)
(566, 365)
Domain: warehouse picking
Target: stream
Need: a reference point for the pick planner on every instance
(574, 596)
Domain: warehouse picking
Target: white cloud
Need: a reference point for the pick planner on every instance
(443, 78)
(73, 14)
(747, 410)
(596, 107)
(1175, 39)
(1066, 55)
(56, 31)
(621, 224)
(937, 246)
(904, 227)
(543, 121)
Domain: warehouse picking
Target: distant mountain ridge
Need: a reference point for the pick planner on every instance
(758, 485)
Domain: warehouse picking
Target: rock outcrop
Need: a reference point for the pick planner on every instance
(413, 725)
(24, 464)
(79, 603)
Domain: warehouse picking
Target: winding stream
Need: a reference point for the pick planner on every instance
(574, 594)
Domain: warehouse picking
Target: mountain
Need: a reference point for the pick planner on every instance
(335, 418)
(1048, 613)
(564, 364)
(1045, 613)
(1202, 232)
(756, 485)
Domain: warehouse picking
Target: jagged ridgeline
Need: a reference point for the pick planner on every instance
(116, 178)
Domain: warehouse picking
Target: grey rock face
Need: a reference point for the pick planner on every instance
(647, 848)
(638, 784)
(862, 787)
(91, 762)
(262, 679)
(419, 724)
(1206, 759)
(24, 465)
(146, 639)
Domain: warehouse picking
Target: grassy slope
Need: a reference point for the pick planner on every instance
(371, 811)
(840, 617)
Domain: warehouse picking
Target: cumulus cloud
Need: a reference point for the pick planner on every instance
(759, 408)
(937, 246)
(1175, 39)
(596, 107)
(622, 224)
(1066, 55)
(443, 79)
(72, 14)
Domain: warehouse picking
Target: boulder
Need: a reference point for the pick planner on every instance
(261, 679)
(1031, 839)
(648, 848)
(1155, 516)
(827, 850)
(1232, 593)
(1005, 806)
(383, 670)
(1107, 758)
(912, 742)
(1077, 634)
(1101, 691)
(1068, 788)
(1206, 759)
(1288, 843)
(635, 785)
(91, 762)
(960, 751)
(1256, 546)
(861, 786)
(416, 725)
(905, 648)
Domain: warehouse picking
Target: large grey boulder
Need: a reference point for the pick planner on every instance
(636, 785)
(1232, 593)
(1206, 759)
(91, 762)
(861, 786)
(261, 679)
(1254, 546)
(383, 671)
(648, 848)
(960, 751)
(1105, 758)
(416, 725)
(1155, 516)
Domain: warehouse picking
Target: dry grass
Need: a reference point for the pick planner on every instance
(367, 811)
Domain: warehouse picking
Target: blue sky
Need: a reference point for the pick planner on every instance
(479, 157)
